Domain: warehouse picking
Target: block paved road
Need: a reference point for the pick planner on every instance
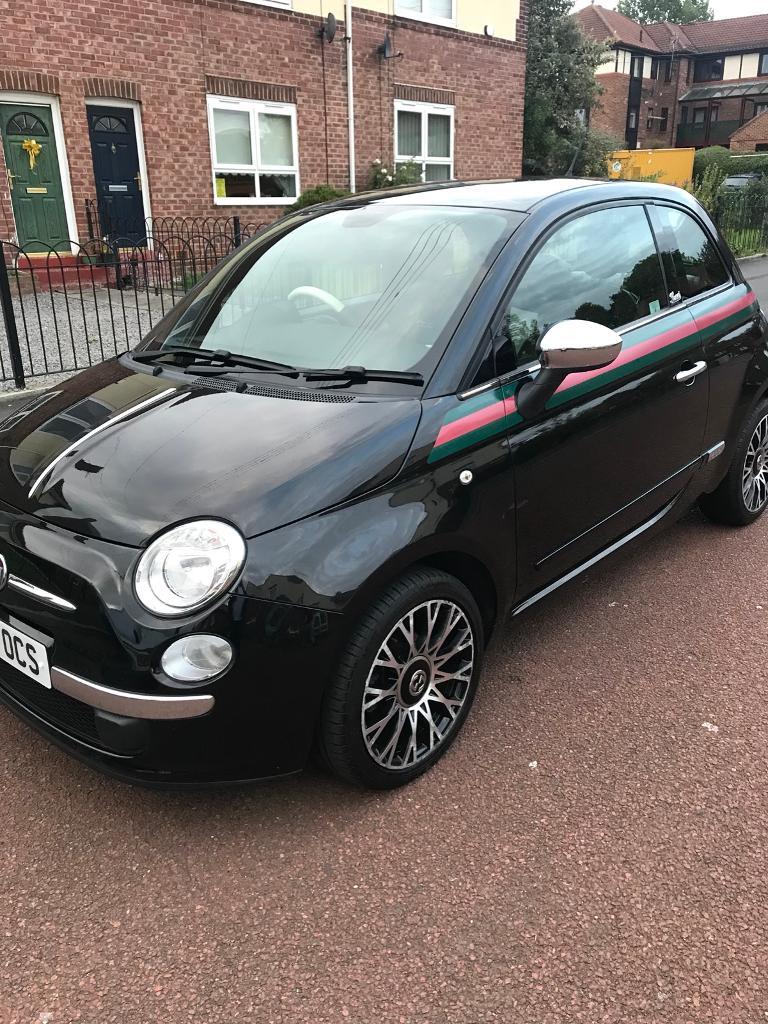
(593, 848)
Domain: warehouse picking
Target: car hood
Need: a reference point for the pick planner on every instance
(121, 455)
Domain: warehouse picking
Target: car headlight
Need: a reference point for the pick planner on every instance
(188, 567)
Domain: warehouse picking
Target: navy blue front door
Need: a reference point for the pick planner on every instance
(116, 171)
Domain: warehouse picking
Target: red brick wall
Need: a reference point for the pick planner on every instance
(609, 114)
(749, 135)
(160, 52)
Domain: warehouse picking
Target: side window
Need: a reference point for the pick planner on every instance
(602, 266)
(691, 259)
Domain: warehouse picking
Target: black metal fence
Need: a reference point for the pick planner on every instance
(65, 308)
(742, 216)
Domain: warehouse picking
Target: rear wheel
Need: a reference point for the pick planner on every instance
(405, 684)
(742, 496)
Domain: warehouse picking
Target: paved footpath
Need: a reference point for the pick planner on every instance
(593, 849)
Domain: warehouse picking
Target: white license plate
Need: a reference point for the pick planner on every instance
(24, 654)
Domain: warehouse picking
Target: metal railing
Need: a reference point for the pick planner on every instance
(64, 311)
(743, 220)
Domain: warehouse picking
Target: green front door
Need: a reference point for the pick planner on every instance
(34, 177)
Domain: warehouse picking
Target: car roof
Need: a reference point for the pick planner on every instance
(520, 195)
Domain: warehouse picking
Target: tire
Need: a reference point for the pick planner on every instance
(742, 496)
(374, 728)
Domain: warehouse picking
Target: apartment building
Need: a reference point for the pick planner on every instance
(681, 85)
(200, 108)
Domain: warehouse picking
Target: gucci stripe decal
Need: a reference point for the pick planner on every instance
(492, 412)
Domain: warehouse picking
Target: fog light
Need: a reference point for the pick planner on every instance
(193, 659)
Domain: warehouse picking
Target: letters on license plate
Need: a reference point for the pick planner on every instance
(26, 655)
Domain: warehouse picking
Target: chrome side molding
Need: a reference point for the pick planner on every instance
(16, 583)
(712, 453)
(76, 445)
(595, 559)
(131, 705)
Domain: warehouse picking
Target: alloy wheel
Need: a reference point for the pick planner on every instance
(419, 682)
(754, 479)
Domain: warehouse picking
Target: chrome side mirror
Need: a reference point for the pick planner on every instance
(567, 347)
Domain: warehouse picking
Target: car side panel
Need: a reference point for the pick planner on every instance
(341, 559)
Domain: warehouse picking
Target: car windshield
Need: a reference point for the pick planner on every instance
(381, 286)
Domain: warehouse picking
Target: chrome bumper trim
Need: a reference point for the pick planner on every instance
(131, 705)
(712, 453)
(40, 595)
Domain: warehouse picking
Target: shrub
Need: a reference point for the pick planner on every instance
(717, 156)
(318, 194)
(750, 163)
(407, 173)
(708, 188)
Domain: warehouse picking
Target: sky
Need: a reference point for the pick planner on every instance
(722, 8)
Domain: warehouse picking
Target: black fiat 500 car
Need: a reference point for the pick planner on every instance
(293, 517)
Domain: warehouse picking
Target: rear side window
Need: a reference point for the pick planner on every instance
(691, 259)
(602, 266)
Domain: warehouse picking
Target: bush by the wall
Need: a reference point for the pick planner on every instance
(318, 194)
(728, 162)
(717, 156)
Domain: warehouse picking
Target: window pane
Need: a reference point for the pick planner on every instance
(601, 267)
(277, 186)
(405, 275)
(437, 172)
(439, 8)
(692, 262)
(235, 186)
(410, 5)
(408, 133)
(439, 143)
(276, 140)
(232, 129)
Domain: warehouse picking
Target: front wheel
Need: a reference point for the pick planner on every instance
(405, 683)
(742, 496)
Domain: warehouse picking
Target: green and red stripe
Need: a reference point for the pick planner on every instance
(492, 412)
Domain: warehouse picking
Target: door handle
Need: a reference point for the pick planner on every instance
(10, 180)
(689, 374)
(137, 179)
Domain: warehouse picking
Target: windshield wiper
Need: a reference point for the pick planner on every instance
(360, 375)
(192, 358)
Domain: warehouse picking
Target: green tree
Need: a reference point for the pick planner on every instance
(560, 81)
(679, 12)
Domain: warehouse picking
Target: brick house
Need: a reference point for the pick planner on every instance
(202, 108)
(678, 85)
(753, 136)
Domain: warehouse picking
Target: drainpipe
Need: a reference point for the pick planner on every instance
(350, 100)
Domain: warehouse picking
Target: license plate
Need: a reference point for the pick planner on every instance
(24, 654)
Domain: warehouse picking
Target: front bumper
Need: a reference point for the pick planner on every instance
(108, 706)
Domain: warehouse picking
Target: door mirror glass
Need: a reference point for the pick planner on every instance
(579, 345)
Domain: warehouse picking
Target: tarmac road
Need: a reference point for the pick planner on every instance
(592, 849)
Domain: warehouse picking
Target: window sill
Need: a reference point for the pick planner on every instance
(220, 201)
(425, 19)
(271, 3)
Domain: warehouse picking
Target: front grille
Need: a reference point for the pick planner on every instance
(296, 394)
(74, 717)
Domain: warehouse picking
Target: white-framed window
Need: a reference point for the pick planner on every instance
(441, 12)
(254, 152)
(424, 134)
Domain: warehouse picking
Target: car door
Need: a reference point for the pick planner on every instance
(613, 447)
(723, 306)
